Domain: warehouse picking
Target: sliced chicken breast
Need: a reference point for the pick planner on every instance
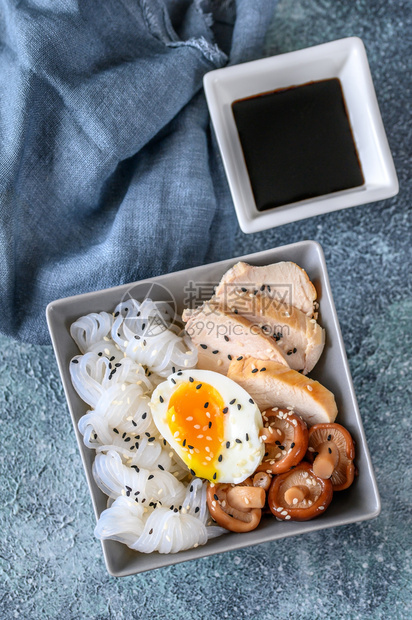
(284, 281)
(272, 385)
(222, 337)
(300, 338)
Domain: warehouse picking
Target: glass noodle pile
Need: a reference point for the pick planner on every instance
(154, 503)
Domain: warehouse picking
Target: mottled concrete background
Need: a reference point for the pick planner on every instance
(50, 564)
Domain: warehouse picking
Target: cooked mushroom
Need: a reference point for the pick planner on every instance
(286, 440)
(332, 452)
(262, 479)
(237, 508)
(299, 494)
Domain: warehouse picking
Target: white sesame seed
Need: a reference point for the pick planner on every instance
(189, 419)
(310, 388)
(287, 517)
(321, 507)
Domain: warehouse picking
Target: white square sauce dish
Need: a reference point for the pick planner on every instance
(300, 134)
(188, 289)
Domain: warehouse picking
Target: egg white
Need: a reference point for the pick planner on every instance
(242, 457)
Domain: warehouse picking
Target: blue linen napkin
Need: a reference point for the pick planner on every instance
(109, 172)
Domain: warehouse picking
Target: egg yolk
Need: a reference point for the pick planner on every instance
(195, 419)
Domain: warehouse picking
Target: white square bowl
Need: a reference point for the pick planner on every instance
(344, 59)
(358, 503)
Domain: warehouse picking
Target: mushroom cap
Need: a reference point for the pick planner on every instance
(318, 494)
(283, 429)
(229, 517)
(344, 473)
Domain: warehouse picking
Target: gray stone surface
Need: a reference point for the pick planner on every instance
(50, 564)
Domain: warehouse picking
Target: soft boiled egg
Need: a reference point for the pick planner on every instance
(211, 422)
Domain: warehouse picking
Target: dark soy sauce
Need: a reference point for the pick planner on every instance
(297, 143)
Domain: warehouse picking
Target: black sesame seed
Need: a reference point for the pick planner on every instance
(262, 369)
(116, 314)
(173, 381)
(292, 445)
(277, 443)
(161, 467)
(238, 441)
(100, 354)
(281, 447)
(137, 337)
(199, 386)
(164, 442)
(151, 439)
(110, 366)
(175, 510)
(204, 346)
(255, 292)
(118, 335)
(197, 509)
(143, 500)
(128, 488)
(131, 447)
(268, 288)
(184, 442)
(252, 402)
(330, 450)
(254, 370)
(124, 435)
(191, 379)
(143, 325)
(137, 445)
(239, 406)
(262, 288)
(128, 493)
(151, 531)
(173, 369)
(295, 350)
(232, 402)
(239, 358)
(226, 409)
(220, 458)
(216, 497)
(191, 447)
(137, 469)
(191, 488)
(171, 507)
(192, 472)
(147, 434)
(127, 439)
(329, 437)
(229, 357)
(179, 373)
(137, 492)
(134, 423)
(144, 415)
(161, 399)
(214, 476)
(75, 361)
(206, 405)
(115, 431)
(228, 444)
(150, 477)
(226, 338)
(247, 436)
(210, 426)
(289, 353)
(214, 352)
